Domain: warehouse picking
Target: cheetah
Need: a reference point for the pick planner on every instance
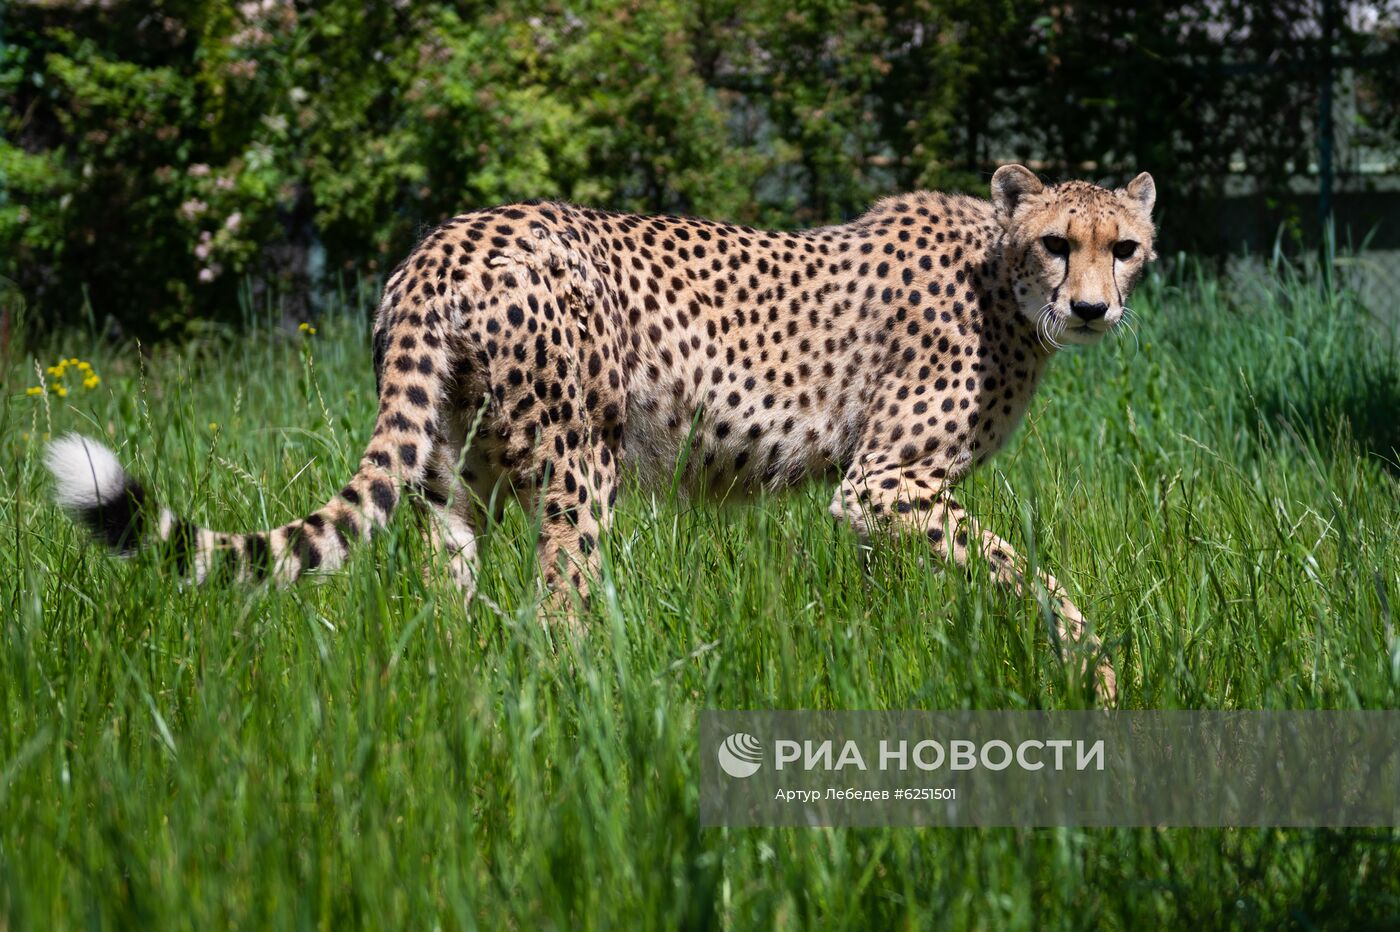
(543, 348)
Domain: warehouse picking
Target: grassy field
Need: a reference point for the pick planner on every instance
(1220, 494)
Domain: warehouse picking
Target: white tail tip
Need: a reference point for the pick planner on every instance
(86, 474)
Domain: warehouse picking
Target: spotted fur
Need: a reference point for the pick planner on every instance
(536, 349)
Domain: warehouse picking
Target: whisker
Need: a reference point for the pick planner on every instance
(1042, 330)
(1126, 324)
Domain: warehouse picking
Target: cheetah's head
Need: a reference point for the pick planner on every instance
(1075, 250)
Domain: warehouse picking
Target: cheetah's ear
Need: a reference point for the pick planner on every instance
(1009, 185)
(1142, 191)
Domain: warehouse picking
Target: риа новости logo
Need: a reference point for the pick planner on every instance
(740, 755)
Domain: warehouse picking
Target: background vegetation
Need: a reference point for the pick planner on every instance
(158, 155)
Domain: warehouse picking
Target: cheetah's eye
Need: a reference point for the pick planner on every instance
(1055, 245)
(1124, 249)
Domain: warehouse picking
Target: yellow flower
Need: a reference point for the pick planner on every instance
(55, 371)
(74, 361)
(85, 366)
(307, 329)
(36, 390)
(60, 391)
(213, 425)
(91, 382)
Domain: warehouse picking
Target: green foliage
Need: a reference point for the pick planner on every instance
(154, 157)
(361, 752)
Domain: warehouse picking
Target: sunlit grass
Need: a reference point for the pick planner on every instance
(1219, 494)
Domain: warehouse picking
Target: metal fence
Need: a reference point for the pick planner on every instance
(1356, 193)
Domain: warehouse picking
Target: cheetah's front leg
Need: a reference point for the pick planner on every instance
(577, 500)
(903, 500)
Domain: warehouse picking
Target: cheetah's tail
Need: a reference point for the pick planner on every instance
(101, 496)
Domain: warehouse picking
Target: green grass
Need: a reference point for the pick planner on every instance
(1220, 497)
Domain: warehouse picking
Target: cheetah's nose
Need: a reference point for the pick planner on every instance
(1087, 311)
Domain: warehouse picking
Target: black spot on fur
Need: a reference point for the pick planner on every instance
(307, 553)
(259, 555)
(119, 523)
(383, 495)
